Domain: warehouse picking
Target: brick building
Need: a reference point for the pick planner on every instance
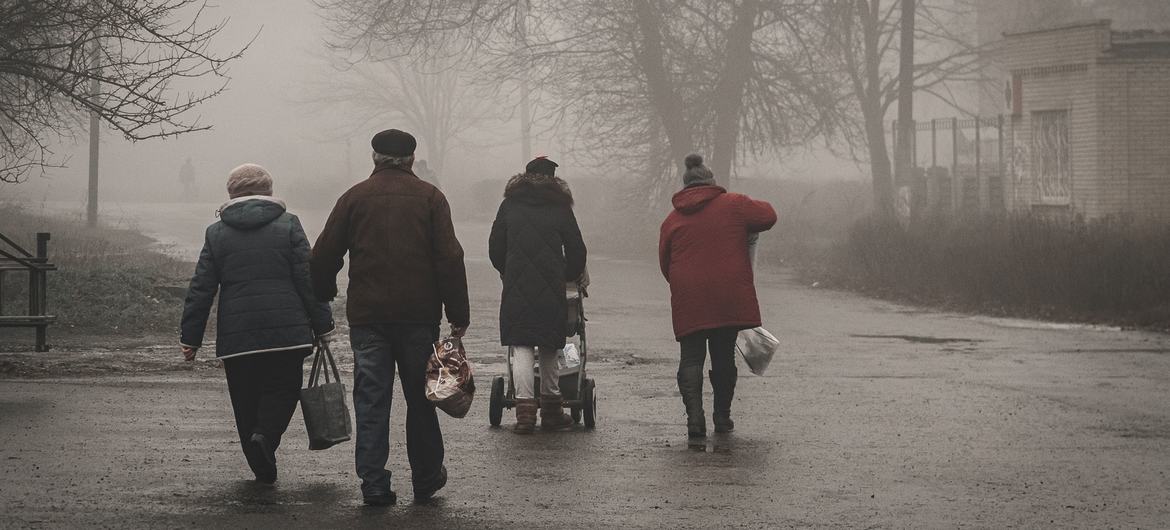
(1089, 109)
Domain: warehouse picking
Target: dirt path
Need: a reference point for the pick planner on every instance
(875, 415)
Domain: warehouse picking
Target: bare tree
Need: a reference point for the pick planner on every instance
(655, 79)
(432, 99)
(862, 40)
(53, 51)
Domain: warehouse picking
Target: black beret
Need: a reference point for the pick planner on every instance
(393, 142)
(541, 165)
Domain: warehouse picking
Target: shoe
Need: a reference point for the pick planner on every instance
(723, 386)
(525, 416)
(379, 498)
(263, 457)
(690, 386)
(552, 415)
(424, 494)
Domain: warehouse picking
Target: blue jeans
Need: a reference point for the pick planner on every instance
(376, 350)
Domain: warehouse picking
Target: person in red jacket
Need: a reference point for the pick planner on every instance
(703, 252)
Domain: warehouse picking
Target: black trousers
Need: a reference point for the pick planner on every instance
(720, 341)
(265, 389)
(376, 351)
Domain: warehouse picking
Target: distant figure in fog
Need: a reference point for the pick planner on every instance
(187, 180)
(536, 245)
(703, 252)
(426, 173)
(405, 267)
(257, 258)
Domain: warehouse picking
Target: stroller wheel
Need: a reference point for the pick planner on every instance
(496, 402)
(589, 400)
(575, 412)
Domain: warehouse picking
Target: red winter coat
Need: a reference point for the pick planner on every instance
(703, 253)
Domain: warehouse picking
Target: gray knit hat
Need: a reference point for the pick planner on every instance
(249, 179)
(696, 173)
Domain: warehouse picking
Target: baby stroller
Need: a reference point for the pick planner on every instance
(578, 392)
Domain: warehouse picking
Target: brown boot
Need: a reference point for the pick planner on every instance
(525, 416)
(552, 416)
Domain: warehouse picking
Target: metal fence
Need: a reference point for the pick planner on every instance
(959, 165)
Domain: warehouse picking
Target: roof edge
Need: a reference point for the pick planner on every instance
(1101, 22)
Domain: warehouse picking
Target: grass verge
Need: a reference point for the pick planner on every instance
(109, 280)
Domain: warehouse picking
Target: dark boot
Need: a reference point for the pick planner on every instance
(525, 416)
(265, 457)
(723, 386)
(552, 415)
(690, 385)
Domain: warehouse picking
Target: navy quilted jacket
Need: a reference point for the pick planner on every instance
(536, 245)
(257, 258)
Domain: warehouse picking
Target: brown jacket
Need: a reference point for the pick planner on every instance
(405, 262)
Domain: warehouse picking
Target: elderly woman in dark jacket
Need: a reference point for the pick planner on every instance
(536, 245)
(257, 258)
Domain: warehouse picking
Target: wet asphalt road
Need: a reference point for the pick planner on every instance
(874, 415)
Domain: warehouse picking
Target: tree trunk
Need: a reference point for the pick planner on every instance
(666, 103)
(879, 165)
(729, 92)
(874, 111)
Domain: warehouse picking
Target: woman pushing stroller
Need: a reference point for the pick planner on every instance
(536, 246)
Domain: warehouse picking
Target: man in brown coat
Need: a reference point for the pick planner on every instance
(405, 267)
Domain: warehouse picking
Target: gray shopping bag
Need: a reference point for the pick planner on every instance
(323, 403)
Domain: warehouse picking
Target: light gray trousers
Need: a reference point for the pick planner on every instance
(523, 358)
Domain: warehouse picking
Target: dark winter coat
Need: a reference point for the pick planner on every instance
(703, 252)
(536, 245)
(257, 258)
(405, 263)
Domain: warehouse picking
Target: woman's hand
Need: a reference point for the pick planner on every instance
(458, 332)
(189, 353)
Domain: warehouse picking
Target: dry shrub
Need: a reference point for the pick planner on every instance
(1104, 270)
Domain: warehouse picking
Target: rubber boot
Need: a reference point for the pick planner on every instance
(525, 416)
(723, 386)
(552, 415)
(690, 385)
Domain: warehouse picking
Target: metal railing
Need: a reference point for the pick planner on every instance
(14, 258)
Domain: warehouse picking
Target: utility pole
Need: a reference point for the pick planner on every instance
(91, 206)
(525, 123)
(903, 162)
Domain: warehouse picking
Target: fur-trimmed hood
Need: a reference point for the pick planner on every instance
(535, 188)
(251, 211)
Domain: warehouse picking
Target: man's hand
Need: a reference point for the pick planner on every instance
(189, 353)
(458, 332)
(323, 340)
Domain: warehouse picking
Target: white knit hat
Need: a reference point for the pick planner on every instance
(249, 179)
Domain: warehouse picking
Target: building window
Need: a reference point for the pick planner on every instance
(1050, 157)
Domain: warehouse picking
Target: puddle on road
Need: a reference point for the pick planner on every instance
(1122, 350)
(917, 339)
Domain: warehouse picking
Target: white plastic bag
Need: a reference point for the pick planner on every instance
(572, 358)
(757, 347)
